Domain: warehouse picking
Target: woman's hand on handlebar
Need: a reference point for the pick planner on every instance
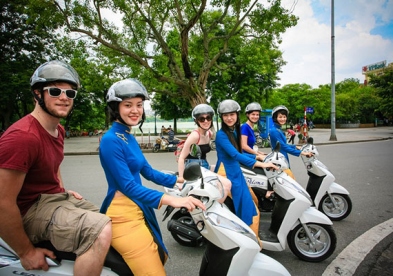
(308, 154)
(267, 165)
(189, 202)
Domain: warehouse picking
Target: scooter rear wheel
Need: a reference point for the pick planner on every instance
(344, 206)
(156, 148)
(321, 245)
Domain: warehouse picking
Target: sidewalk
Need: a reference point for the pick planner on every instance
(89, 145)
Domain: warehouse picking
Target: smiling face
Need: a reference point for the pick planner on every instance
(281, 119)
(253, 117)
(204, 121)
(131, 110)
(230, 119)
(60, 106)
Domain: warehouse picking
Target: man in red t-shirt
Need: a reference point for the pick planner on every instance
(34, 205)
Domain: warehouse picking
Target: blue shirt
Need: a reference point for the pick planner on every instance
(277, 135)
(246, 130)
(230, 157)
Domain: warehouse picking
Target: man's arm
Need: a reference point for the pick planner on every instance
(11, 226)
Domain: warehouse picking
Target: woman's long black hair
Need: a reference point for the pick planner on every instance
(235, 140)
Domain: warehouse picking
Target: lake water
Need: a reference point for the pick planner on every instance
(149, 127)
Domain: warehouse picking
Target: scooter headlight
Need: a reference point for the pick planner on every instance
(223, 222)
(320, 164)
(301, 191)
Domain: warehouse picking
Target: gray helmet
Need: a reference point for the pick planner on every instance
(253, 107)
(228, 106)
(281, 108)
(54, 71)
(124, 89)
(202, 109)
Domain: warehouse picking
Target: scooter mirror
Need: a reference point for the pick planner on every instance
(195, 151)
(192, 171)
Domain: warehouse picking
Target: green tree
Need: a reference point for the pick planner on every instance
(143, 36)
(23, 47)
(383, 85)
(297, 96)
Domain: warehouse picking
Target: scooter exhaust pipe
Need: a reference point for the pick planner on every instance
(185, 231)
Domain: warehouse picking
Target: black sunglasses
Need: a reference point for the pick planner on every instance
(56, 92)
(202, 119)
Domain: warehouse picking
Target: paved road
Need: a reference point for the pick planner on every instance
(376, 254)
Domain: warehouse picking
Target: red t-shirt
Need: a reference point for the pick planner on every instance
(26, 146)
(291, 132)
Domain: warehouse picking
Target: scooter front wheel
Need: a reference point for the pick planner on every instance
(341, 208)
(185, 219)
(314, 248)
(156, 148)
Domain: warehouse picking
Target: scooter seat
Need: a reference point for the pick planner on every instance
(113, 259)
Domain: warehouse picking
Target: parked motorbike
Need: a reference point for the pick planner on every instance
(165, 144)
(231, 246)
(329, 197)
(294, 222)
(62, 265)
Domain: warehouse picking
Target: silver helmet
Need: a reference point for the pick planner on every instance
(228, 106)
(281, 108)
(55, 71)
(124, 89)
(253, 107)
(202, 109)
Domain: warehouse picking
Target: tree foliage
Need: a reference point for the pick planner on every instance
(384, 88)
(23, 47)
(176, 43)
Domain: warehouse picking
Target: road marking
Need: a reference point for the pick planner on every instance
(349, 259)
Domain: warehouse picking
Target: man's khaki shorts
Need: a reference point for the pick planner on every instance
(70, 224)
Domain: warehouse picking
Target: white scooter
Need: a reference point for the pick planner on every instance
(294, 221)
(62, 266)
(329, 197)
(231, 247)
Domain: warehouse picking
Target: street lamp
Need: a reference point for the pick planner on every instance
(333, 85)
(155, 123)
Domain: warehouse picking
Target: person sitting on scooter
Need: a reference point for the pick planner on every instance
(253, 111)
(203, 117)
(34, 204)
(229, 155)
(130, 205)
(279, 115)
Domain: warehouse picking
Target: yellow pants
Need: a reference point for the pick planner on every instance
(132, 238)
(289, 173)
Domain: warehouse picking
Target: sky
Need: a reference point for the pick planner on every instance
(363, 35)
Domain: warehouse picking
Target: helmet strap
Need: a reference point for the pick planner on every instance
(42, 104)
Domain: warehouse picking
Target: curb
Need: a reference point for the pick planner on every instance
(352, 256)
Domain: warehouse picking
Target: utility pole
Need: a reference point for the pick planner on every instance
(333, 82)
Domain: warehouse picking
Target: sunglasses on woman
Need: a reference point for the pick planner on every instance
(202, 119)
(56, 92)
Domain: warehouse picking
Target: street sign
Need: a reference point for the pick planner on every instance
(310, 110)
